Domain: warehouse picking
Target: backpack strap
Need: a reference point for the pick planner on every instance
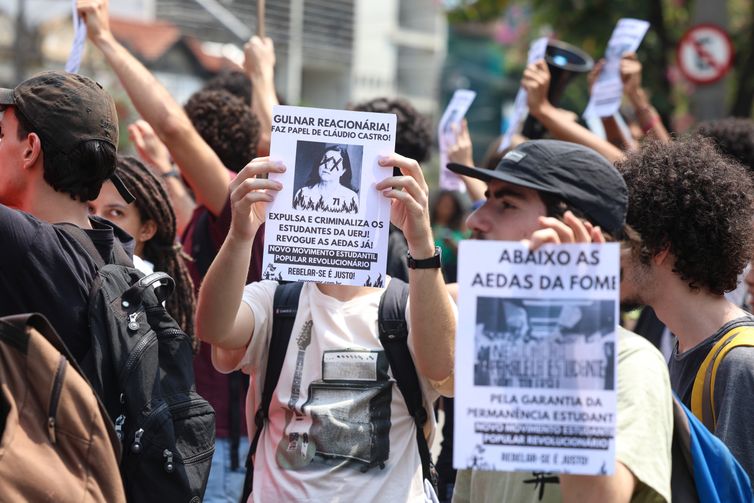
(284, 309)
(394, 338)
(703, 391)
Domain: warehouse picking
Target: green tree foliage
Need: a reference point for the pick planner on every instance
(476, 11)
(588, 24)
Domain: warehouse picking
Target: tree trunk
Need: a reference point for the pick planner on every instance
(659, 67)
(744, 98)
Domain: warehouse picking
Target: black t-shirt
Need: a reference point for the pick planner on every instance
(397, 254)
(45, 270)
(733, 393)
(684, 366)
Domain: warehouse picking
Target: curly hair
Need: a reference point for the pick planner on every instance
(153, 203)
(227, 124)
(414, 136)
(733, 136)
(235, 82)
(687, 197)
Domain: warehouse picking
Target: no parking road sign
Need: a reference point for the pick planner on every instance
(705, 54)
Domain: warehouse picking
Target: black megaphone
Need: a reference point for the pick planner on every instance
(564, 62)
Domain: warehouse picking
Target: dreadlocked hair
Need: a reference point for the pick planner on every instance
(153, 203)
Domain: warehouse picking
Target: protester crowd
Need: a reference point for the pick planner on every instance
(78, 219)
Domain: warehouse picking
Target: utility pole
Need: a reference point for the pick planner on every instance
(708, 100)
(295, 52)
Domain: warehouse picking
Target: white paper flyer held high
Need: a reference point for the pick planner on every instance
(536, 347)
(328, 224)
(452, 118)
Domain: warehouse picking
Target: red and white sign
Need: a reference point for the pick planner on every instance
(705, 54)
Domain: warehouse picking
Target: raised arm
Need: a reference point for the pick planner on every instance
(649, 119)
(613, 132)
(536, 81)
(155, 154)
(199, 164)
(259, 65)
(221, 318)
(431, 317)
(460, 151)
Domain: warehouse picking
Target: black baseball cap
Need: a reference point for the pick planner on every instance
(581, 176)
(67, 109)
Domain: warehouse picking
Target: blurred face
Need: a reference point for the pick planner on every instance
(636, 281)
(510, 213)
(446, 208)
(12, 179)
(331, 166)
(111, 206)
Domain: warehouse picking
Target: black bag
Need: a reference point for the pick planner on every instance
(393, 334)
(140, 365)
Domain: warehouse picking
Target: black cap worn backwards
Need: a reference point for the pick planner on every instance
(67, 109)
(581, 176)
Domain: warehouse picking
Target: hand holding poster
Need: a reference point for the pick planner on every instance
(608, 89)
(535, 369)
(328, 224)
(454, 113)
(537, 51)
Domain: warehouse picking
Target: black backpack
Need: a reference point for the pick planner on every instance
(140, 365)
(393, 333)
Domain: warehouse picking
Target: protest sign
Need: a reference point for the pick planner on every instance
(328, 224)
(79, 40)
(454, 113)
(535, 369)
(537, 51)
(608, 88)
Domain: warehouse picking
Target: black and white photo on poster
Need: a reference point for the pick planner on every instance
(532, 343)
(327, 178)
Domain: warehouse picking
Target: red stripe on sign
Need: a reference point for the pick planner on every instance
(705, 55)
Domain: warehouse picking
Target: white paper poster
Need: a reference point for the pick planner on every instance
(454, 113)
(608, 88)
(535, 369)
(537, 51)
(329, 224)
(79, 40)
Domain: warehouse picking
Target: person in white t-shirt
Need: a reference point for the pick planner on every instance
(338, 426)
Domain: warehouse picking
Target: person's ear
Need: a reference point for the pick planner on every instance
(147, 231)
(33, 150)
(662, 256)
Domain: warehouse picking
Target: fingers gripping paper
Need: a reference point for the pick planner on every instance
(329, 224)
(452, 117)
(537, 51)
(608, 89)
